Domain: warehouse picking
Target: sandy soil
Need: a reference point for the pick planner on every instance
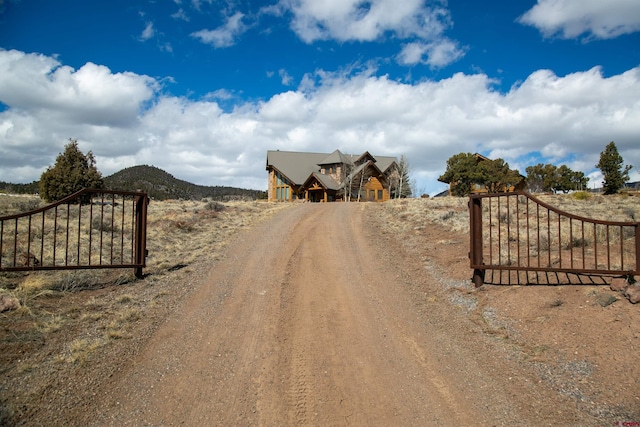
(319, 316)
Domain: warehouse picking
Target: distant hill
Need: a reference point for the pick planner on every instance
(157, 183)
(161, 185)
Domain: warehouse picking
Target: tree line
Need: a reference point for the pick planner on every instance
(466, 173)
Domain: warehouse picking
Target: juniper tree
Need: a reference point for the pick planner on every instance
(611, 166)
(72, 172)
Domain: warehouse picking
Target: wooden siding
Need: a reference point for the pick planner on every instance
(374, 191)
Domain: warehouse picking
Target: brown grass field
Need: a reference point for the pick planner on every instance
(66, 319)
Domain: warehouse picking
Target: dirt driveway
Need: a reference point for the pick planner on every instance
(309, 320)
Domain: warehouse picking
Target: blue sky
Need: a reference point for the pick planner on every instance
(203, 88)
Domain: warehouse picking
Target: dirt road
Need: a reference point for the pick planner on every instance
(309, 320)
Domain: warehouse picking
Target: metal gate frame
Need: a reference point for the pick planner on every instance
(517, 239)
(90, 229)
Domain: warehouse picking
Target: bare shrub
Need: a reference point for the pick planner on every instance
(577, 242)
(104, 225)
(447, 216)
(214, 206)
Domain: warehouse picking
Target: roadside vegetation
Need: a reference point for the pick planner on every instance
(65, 318)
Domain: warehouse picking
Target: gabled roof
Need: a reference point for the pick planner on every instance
(384, 163)
(334, 158)
(295, 165)
(362, 167)
(364, 156)
(325, 180)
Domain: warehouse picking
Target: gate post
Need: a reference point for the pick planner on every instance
(141, 234)
(475, 244)
(637, 231)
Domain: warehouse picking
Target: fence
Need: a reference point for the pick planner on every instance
(529, 241)
(88, 229)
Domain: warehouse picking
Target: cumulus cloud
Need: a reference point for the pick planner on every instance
(92, 94)
(369, 21)
(435, 54)
(346, 20)
(223, 36)
(547, 118)
(594, 18)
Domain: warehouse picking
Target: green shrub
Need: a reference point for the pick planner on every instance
(72, 172)
(581, 195)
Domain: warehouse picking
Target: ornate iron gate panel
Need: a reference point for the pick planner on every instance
(517, 232)
(88, 229)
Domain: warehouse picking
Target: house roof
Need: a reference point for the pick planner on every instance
(296, 166)
(334, 158)
(384, 163)
(325, 180)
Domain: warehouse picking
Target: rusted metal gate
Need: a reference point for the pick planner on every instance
(527, 240)
(86, 230)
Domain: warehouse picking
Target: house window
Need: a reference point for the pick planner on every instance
(372, 194)
(379, 194)
(283, 189)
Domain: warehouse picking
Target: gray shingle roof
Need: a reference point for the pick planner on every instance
(326, 180)
(334, 158)
(294, 165)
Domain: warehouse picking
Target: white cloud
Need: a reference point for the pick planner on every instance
(285, 77)
(436, 54)
(345, 20)
(594, 18)
(180, 14)
(92, 94)
(148, 32)
(368, 21)
(548, 117)
(225, 35)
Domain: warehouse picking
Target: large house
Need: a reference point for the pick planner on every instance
(327, 177)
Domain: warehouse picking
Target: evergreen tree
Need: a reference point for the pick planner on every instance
(611, 166)
(569, 180)
(553, 179)
(72, 172)
(462, 174)
(496, 175)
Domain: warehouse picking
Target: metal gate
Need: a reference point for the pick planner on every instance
(88, 229)
(532, 242)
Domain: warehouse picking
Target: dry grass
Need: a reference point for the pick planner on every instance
(411, 214)
(179, 234)
(545, 245)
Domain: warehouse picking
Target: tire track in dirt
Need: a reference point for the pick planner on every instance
(344, 361)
